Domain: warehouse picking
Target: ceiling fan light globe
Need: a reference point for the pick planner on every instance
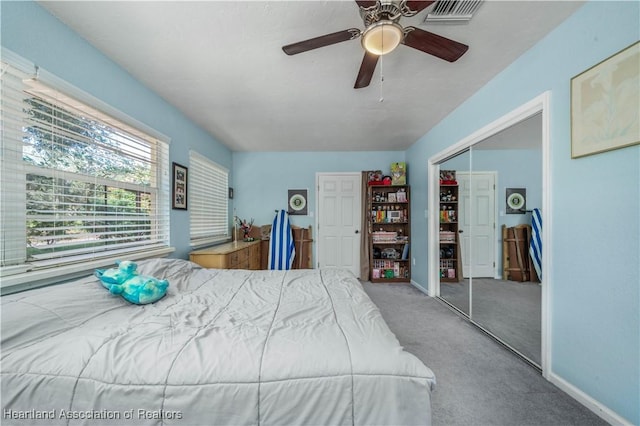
(382, 37)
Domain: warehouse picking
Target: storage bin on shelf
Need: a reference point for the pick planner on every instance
(384, 236)
(447, 237)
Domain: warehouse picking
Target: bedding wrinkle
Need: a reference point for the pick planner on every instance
(66, 313)
(109, 340)
(14, 332)
(171, 366)
(264, 346)
(223, 347)
(72, 301)
(44, 330)
(346, 341)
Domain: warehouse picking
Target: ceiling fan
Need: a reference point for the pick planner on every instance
(383, 33)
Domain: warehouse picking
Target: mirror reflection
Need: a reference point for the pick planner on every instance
(499, 189)
(453, 288)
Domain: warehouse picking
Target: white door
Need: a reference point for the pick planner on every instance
(477, 223)
(339, 220)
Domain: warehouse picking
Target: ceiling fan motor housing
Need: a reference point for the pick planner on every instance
(382, 10)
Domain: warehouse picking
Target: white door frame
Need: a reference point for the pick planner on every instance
(317, 220)
(540, 104)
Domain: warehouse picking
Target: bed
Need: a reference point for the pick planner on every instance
(229, 347)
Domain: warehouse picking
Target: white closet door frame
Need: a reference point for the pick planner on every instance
(540, 104)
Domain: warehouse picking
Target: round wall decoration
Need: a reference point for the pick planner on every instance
(516, 200)
(297, 202)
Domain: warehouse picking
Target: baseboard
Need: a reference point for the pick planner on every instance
(605, 413)
(419, 287)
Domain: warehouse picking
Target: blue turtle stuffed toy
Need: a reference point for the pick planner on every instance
(123, 272)
(125, 281)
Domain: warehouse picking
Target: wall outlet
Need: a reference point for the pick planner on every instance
(413, 261)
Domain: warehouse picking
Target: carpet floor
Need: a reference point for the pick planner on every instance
(479, 381)
(510, 310)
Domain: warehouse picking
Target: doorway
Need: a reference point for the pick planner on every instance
(478, 223)
(339, 220)
(473, 303)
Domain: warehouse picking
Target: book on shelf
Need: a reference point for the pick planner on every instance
(405, 252)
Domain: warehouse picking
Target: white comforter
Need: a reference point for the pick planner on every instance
(228, 347)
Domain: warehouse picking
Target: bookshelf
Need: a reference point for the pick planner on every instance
(389, 233)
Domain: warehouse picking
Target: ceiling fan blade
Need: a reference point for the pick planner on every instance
(434, 44)
(322, 41)
(418, 5)
(367, 68)
(366, 3)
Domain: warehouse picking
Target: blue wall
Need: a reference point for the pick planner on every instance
(595, 296)
(28, 30)
(263, 178)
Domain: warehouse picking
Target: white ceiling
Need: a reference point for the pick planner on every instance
(221, 63)
(527, 134)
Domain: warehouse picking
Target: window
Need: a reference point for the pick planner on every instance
(208, 200)
(77, 184)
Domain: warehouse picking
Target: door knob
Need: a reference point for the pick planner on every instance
(357, 231)
(460, 231)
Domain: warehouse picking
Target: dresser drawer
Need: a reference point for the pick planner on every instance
(254, 256)
(239, 259)
(212, 261)
(233, 259)
(237, 255)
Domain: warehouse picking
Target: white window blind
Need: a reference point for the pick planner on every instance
(77, 184)
(208, 200)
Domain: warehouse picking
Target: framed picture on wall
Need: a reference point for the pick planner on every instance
(179, 189)
(605, 104)
(297, 202)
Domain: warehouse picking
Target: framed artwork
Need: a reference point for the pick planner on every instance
(516, 200)
(179, 191)
(605, 104)
(297, 202)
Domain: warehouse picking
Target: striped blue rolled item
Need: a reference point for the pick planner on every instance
(281, 247)
(535, 247)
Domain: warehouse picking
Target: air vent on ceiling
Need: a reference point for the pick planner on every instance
(452, 11)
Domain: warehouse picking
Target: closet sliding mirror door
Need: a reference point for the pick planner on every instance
(506, 296)
(454, 288)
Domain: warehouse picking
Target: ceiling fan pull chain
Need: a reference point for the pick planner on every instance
(381, 82)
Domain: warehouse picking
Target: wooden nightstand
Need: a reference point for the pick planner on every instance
(234, 255)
